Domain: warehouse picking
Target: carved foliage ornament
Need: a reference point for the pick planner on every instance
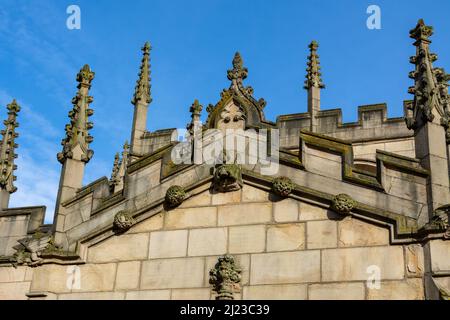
(343, 203)
(228, 177)
(175, 195)
(123, 221)
(282, 186)
(225, 278)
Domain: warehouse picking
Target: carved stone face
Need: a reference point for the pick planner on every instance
(231, 117)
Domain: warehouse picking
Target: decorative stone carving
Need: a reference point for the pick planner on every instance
(7, 149)
(122, 221)
(228, 177)
(343, 203)
(77, 140)
(282, 186)
(313, 75)
(142, 89)
(430, 88)
(225, 278)
(175, 195)
(440, 221)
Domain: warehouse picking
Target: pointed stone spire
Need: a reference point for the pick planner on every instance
(75, 153)
(196, 109)
(141, 100)
(115, 170)
(313, 84)
(430, 94)
(428, 116)
(77, 140)
(142, 90)
(119, 169)
(313, 75)
(238, 73)
(7, 154)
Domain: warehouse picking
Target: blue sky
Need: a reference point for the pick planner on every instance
(193, 45)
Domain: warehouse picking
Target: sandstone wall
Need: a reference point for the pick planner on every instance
(286, 249)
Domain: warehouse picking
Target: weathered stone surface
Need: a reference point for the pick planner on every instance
(226, 198)
(193, 217)
(275, 292)
(250, 213)
(153, 223)
(14, 290)
(92, 296)
(336, 262)
(202, 199)
(285, 210)
(252, 194)
(353, 232)
(321, 234)
(285, 267)
(168, 244)
(148, 295)
(120, 248)
(191, 294)
(440, 253)
(96, 277)
(51, 278)
(172, 273)
(8, 274)
(225, 278)
(310, 212)
(414, 260)
(286, 237)
(411, 289)
(247, 239)
(337, 291)
(208, 241)
(128, 274)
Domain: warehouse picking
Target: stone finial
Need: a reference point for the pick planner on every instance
(123, 221)
(343, 203)
(313, 75)
(8, 146)
(225, 278)
(119, 169)
(77, 140)
(175, 195)
(239, 72)
(195, 110)
(430, 88)
(228, 177)
(142, 90)
(282, 186)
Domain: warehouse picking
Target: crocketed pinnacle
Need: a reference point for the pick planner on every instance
(77, 140)
(195, 109)
(239, 72)
(119, 168)
(430, 88)
(313, 75)
(8, 146)
(142, 90)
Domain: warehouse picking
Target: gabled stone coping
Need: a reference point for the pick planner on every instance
(36, 213)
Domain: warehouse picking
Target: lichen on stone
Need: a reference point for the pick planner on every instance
(123, 221)
(225, 278)
(175, 195)
(228, 177)
(282, 186)
(343, 203)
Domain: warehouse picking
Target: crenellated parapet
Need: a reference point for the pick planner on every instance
(77, 140)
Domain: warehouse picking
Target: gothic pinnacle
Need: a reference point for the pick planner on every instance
(119, 169)
(430, 88)
(142, 90)
(195, 109)
(313, 75)
(239, 72)
(79, 126)
(8, 146)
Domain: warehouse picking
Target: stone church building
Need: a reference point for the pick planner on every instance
(353, 211)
